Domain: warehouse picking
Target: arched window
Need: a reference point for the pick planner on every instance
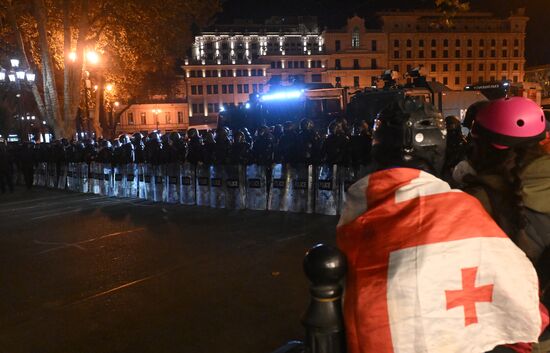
(355, 38)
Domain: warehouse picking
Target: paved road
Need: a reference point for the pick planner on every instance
(85, 273)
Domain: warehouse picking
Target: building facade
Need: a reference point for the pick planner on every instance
(147, 117)
(228, 63)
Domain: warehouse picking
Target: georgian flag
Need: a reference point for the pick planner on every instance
(429, 271)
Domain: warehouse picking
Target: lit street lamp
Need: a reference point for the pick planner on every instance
(156, 113)
(18, 77)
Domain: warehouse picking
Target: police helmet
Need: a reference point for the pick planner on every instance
(138, 137)
(410, 133)
(154, 136)
(192, 133)
(175, 137)
(124, 139)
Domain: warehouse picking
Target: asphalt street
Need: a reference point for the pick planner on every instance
(87, 273)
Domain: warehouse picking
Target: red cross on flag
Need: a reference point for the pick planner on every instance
(429, 271)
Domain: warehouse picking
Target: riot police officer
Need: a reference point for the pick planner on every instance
(361, 142)
(306, 141)
(105, 154)
(208, 148)
(124, 154)
(337, 145)
(262, 149)
(288, 144)
(139, 147)
(195, 147)
(153, 149)
(222, 146)
(240, 149)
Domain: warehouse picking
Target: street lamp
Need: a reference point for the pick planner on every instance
(17, 76)
(156, 112)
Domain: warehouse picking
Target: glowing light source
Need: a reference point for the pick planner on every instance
(11, 77)
(109, 87)
(14, 63)
(72, 56)
(30, 77)
(2, 75)
(247, 106)
(282, 95)
(117, 104)
(222, 108)
(20, 74)
(92, 57)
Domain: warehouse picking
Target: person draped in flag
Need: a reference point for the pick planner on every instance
(512, 177)
(429, 270)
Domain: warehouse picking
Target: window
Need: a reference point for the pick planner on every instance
(493, 53)
(421, 54)
(493, 42)
(373, 45)
(469, 53)
(261, 87)
(445, 80)
(481, 67)
(224, 89)
(396, 43)
(469, 67)
(434, 67)
(409, 43)
(493, 67)
(355, 38)
(143, 118)
(445, 67)
(445, 53)
(373, 64)
(337, 45)
(409, 54)
(505, 53)
(469, 42)
(469, 80)
(516, 79)
(504, 67)
(355, 81)
(421, 43)
(130, 118)
(208, 89)
(516, 42)
(457, 80)
(445, 42)
(356, 64)
(516, 53)
(503, 78)
(480, 79)
(433, 54)
(516, 66)
(239, 88)
(338, 81)
(337, 64)
(504, 42)
(230, 88)
(396, 54)
(396, 68)
(434, 43)
(457, 67)
(481, 42)
(199, 90)
(481, 53)
(180, 117)
(168, 118)
(457, 43)
(316, 78)
(193, 90)
(246, 88)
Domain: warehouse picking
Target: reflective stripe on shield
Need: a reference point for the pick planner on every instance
(203, 185)
(52, 175)
(326, 190)
(187, 184)
(300, 191)
(217, 186)
(235, 190)
(118, 185)
(173, 185)
(278, 188)
(159, 183)
(256, 187)
(142, 185)
(62, 180)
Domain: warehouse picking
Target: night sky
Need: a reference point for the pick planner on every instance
(333, 14)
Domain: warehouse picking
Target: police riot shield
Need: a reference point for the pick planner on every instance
(83, 177)
(52, 176)
(105, 179)
(346, 177)
(278, 189)
(119, 182)
(172, 192)
(142, 186)
(62, 176)
(203, 184)
(217, 186)
(256, 187)
(159, 183)
(94, 177)
(147, 191)
(131, 180)
(71, 172)
(187, 184)
(235, 187)
(299, 197)
(36, 176)
(326, 190)
(42, 174)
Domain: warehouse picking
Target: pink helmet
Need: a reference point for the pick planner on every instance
(509, 122)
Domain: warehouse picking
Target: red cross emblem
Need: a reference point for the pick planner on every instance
(469, 295)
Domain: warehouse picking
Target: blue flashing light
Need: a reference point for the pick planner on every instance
(282, 95)
(222, 109)
(247, 105)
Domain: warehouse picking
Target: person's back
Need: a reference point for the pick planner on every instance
(428, 269)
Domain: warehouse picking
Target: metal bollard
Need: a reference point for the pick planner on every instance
(325, 267)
